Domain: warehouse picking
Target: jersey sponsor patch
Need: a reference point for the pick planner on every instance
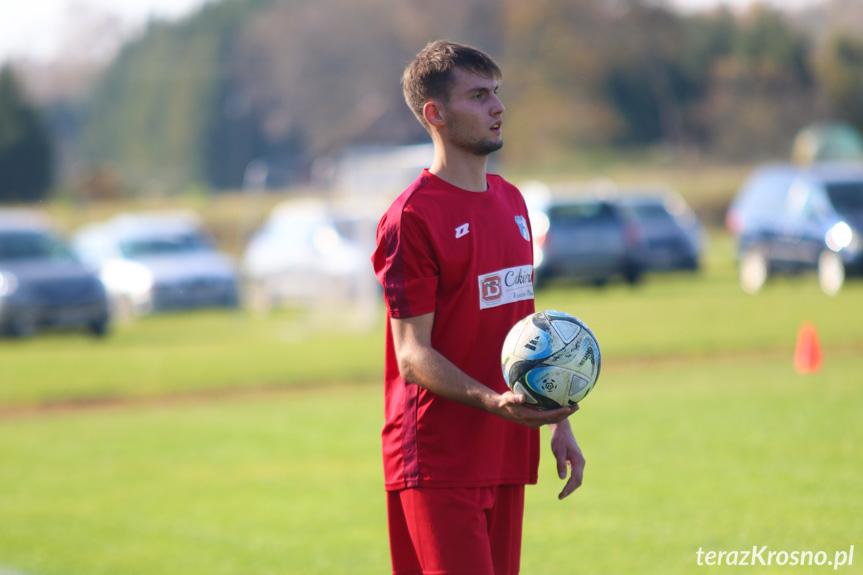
(505, 286)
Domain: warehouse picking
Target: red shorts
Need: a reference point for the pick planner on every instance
(469, 531)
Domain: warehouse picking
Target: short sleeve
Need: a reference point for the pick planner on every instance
(405, 264)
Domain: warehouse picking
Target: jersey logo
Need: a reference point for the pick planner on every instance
(490, 289)
(505, 286)
(522, 227)
(462, 230)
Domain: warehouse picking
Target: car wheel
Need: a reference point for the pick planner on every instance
(632, 274)
(538, 280)
(232, 300)
(831, 272)
(753, 270)
(22, 325)
(122, 308)
(257, 297)
(99, 327)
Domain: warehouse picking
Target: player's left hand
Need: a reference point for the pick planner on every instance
(568, 455)
(511, 406)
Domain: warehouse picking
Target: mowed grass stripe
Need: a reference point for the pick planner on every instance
(668, 316)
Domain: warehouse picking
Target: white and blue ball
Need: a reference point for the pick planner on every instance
(552, 358)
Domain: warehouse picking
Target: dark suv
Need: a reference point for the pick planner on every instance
(792, 219)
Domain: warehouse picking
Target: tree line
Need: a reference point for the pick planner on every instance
(281, 83)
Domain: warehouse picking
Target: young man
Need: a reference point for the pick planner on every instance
(455, 257)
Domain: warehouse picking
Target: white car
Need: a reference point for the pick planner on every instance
(307, 252)
(158, 262)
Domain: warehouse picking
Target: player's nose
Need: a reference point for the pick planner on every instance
(497, 107)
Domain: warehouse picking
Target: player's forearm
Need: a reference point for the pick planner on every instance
(423, 365)
(427, 368)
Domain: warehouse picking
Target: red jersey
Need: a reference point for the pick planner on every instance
(467, 257)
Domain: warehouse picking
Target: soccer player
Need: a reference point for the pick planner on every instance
(455, 257)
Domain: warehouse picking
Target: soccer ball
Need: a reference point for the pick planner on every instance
(552, 358)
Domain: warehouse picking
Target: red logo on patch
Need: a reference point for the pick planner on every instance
(491, 289)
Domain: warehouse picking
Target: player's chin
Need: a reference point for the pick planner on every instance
(487, 147)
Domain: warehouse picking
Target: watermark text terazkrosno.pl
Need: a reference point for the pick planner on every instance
(764, 556)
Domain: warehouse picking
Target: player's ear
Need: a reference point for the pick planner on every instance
(433, 112)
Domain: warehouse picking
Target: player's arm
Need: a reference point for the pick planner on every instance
(567, 454)
(421, 364)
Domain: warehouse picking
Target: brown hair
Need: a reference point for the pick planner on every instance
(429, 74)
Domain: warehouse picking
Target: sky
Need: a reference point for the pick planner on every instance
(39, 29)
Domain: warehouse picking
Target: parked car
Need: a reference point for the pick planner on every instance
(158, 262)
(306, 252)
(595, 239)
(42, 283)
(583, 239)
(667, 235)
(792, 219)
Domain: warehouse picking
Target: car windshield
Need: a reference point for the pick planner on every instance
(164, 245)
(26, 245)
(847, 197)
(649, 213)
(574, 213)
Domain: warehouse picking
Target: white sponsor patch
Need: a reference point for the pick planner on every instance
(505, 286)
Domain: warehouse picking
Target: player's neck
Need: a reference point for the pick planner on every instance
(461, 169)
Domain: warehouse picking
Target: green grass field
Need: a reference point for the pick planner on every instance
(241, 444)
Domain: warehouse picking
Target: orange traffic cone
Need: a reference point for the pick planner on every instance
(807, 355)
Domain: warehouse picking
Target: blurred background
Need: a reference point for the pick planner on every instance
(225, 109)
(189, 192)
(142, 100)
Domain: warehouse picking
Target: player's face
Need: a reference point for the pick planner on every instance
(473, 113)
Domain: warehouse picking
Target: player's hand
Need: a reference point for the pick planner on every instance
(568, 455)
(511, 406)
